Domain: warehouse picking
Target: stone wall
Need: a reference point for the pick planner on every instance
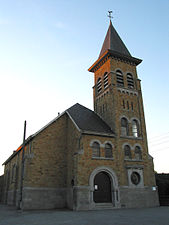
(138, 197)
(1, 186)
(59, 166)
(46, 168)
(113, 103)
(49, 169)
(125, 193)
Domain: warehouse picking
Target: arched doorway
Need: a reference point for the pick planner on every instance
(102, 188)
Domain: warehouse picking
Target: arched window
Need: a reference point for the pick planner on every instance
(124, 127)
(95, 149)
(108, 151)
(105, 79)
(130, 81)
(119, 78)
(135, 128)
(127, 152)
(138, 153)
(99, 85)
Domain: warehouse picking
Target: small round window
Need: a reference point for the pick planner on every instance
(135, 178)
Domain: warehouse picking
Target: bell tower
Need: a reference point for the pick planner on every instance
(117, 91)
(118, 101)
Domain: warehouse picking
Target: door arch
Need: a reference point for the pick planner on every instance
(112, 179)
(102, 188)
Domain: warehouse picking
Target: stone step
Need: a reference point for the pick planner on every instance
(104, 206)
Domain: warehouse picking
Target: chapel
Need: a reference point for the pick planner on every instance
(84, 159)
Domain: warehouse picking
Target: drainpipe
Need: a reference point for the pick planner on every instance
(22, 167)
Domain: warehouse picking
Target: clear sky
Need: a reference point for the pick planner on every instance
(46, 48)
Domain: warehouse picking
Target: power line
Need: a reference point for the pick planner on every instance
(160, 150)
(160, 143)
(164, 138)
(159, 136)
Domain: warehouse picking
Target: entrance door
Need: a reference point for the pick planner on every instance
(102, 188)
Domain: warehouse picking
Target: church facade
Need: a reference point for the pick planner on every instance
(84, 159)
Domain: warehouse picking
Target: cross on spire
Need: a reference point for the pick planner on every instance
(110, 16)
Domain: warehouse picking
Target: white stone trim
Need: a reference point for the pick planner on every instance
(129, 72)
(43, 188)
(127, 91)
(98, 134)
(132, 147)
(108, 142)
(114, 185)
(102, 158)
(137, 144)
(124, 116)
(73, 121)
(126, 143)
(134, 118)
(115, 71)
(95, 140)
(140, 172)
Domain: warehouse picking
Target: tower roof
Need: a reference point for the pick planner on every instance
(113, 47)
(113, 42)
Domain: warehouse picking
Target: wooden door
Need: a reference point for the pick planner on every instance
(102, 188)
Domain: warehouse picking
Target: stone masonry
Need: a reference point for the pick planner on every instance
(79, 160)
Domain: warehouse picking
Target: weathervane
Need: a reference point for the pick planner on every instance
(110, 16)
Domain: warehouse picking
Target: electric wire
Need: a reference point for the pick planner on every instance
(159, 143)
(159, 136)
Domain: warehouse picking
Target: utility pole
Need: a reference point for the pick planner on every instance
(22, 167)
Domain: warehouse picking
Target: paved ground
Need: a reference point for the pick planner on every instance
(149, 216)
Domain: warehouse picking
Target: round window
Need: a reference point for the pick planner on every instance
(135, 178)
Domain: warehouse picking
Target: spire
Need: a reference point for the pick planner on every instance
(113, 42)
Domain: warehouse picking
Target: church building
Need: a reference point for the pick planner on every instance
(84, 159)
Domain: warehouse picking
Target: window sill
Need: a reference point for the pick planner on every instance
(103, 158)
(131, 137)
(133, 160)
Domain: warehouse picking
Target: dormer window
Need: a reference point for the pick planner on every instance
(99, 85)
(130, 81)
(105, 78)
(119, 78)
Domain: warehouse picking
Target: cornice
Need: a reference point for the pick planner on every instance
(115, 55)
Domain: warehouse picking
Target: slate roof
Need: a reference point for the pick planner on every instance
(88, 120)
(113, 42)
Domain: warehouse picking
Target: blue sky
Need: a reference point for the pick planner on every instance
(46, 48)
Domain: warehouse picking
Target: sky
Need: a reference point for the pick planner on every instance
(46, 48)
